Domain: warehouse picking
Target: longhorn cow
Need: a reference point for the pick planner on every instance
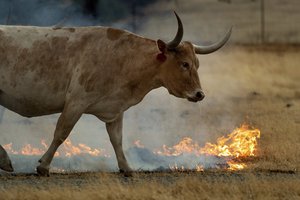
(91, 70)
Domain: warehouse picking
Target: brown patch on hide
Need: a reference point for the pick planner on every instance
(56, 28)
(114, 34)
(72, 30)
(133, 86)
(47, 61)
(6, 50)
(51, 61)
(83, 78)
(88, 81)
(79, 45)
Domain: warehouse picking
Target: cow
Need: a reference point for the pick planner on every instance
(100, 71)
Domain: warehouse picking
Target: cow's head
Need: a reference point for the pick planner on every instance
(180, 64)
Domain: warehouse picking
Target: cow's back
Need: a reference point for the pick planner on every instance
(36, 66)
(39, 65)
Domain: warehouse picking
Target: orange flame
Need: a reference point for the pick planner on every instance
(186, 145)
(9, 149)
(68, 150)
(138, 144)
(241, 143)
(29, 150)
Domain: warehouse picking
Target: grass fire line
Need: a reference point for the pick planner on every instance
(233, 148)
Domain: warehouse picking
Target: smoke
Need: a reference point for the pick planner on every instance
(160, 119)
(152, 122)
(53, 12)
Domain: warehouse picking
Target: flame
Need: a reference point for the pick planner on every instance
(186, 145)
(9, 149)
(29, 150)
(68, 149)
(240, 143)
(233, 148)
(235, 166)
(175, 167)
(138, 144)
(199, 168)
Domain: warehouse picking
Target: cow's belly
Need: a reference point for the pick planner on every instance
(109, 108)
(30, 99)
(32, 94)
(30, 107)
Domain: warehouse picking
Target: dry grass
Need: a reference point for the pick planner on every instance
(264, 84)
(254, 81)
(160, 186)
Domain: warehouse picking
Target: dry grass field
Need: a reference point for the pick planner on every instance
(207, 185)
(257, 84)
(253, 83)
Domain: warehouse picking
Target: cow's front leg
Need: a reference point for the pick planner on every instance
(65, 124)
(114, 130)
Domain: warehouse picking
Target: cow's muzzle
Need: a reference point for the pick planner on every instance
(198, 96)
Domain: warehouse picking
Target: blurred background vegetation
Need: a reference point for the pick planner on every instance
(47, 12)
(254, 21)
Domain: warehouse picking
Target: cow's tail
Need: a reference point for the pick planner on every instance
(5, 162)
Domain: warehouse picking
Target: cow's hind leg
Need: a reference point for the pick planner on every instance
(114, 130)
(5, 163)
(65, 124)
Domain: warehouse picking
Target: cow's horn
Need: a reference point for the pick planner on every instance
(213, 47)
(176, 41)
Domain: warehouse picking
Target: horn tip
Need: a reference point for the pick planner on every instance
(177, 16)
(230, 29)
(229, 32)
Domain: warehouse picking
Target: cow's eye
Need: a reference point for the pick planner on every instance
(185, 65)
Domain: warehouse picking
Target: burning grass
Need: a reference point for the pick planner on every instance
(238, 145)
(229, 152)
(68, 150)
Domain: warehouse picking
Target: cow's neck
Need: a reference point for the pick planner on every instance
(144, 80)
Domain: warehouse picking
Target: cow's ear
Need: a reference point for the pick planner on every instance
(162, 46)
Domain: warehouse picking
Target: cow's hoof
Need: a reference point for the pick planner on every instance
(5, 163)
(7, 167)
(126, 173)
(42, 171)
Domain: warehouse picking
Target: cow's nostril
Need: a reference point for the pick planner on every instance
(200, 95)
